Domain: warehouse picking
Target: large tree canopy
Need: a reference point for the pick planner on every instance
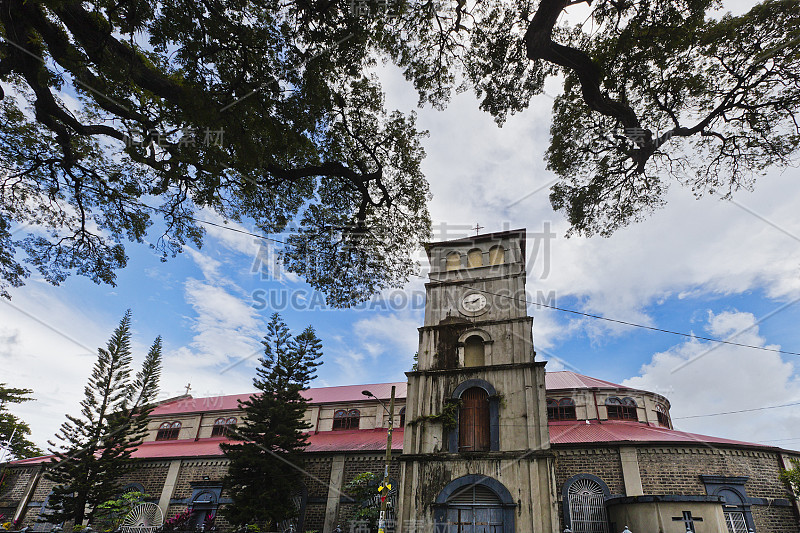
(119, 113)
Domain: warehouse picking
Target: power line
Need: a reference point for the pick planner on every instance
(651, 328)
(739, 411)
(562, 309)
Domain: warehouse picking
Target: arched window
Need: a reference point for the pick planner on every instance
(453, 261)
(474, 258)
(563, 409)
(473, 421)
(403, 417)
(346, 419)
(662, 415)
(223, 426)
(624, 409)
(497, 255)
(475, 504)
(168, 431)
(474, 351)
(585, 506)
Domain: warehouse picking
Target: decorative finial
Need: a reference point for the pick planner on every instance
(477, 228)
(188, 388)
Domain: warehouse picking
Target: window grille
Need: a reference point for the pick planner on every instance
(587, 507)
(473, 421)
(624, 409)
(223, 426)
(168, 431)
(735, 522)
(346, 419)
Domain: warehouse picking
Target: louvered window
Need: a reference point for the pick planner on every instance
(661, 414)
(624, 409)
(346, 419)
(473, 421)
(587, 507)
(403, 417)
(223, 426)
(474, 509)
(563, 409)
(168, 431)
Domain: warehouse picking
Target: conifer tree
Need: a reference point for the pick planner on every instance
(265, 469)
(96, 446)
(19, 446)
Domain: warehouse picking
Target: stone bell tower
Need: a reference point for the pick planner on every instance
(476, 450)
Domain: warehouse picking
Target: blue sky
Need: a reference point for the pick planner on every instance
(707, 266)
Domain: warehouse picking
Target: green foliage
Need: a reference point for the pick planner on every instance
(791, 478)
(95, 448)
(304, 137)
(265, 468)
(363, 488)
(20, 446)
(112, 512)
(447, 417)
(655, 91)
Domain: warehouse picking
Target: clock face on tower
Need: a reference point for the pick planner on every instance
(473, 303)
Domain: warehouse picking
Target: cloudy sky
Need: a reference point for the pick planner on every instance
(712, 268)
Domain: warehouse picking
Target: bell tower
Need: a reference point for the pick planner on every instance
(476, 449)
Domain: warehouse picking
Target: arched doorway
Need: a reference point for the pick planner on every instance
(474, 504)
(585, 504)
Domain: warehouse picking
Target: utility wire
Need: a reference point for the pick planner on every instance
(580, 313)
(740, 411)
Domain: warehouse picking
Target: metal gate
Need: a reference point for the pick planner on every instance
(587, 507)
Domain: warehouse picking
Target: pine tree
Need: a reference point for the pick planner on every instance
(96, 447)
(19, 446)
(264, 472)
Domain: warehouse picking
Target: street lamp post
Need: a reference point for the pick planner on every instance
(385, 483)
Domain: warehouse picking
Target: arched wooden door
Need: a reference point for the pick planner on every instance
(473, 421)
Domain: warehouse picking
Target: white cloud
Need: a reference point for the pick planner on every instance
(701, 377)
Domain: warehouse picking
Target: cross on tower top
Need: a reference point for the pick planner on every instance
(477, 228)
(188, 387)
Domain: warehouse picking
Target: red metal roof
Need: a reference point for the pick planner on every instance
(351, 393)
(582, 432)
(346, 393)
(572, 380)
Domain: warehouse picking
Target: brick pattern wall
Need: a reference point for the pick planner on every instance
(150, 475)
(676, 470)
(601, 462)
(14, 484)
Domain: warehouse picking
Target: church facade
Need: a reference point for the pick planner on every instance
(485, 440)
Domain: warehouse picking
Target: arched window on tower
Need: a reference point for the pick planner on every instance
(168, 431)
(586, 506)
(474, 351)
(497, 255)
(223, 426)
(346, 419)
(624, 409)
(662, 415)
(473, 421)
(563, 409)
(403, 417)
(453, 261)
(474, 258)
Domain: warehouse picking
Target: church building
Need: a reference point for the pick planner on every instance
(485, 440)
